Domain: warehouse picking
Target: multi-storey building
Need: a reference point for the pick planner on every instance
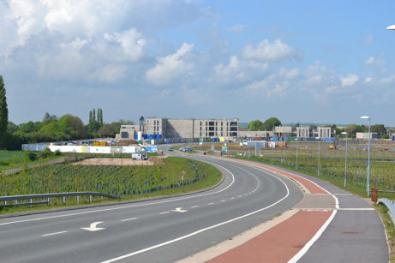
(303, 132)
(182, 128)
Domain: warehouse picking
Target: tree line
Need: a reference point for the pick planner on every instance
(51, 127)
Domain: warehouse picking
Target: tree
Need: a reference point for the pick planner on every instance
(270, 123)
(255, 125)
(354, 128)
(380, 129)
(100, 117)
(3, 112)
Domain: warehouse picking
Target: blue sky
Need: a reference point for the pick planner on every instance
(303, 61)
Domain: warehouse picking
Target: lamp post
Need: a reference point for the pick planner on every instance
(345, 160)
(369, 147)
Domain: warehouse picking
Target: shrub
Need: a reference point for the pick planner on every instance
(32, 156)
(46, 153)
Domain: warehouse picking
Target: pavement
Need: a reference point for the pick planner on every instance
(330, 225)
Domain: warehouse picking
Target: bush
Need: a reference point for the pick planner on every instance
(58, 153)
(46, 153)
(32, 156)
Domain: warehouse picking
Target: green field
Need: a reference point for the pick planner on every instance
(172, 176)
(318, 160)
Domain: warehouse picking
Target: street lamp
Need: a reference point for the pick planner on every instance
(392, 27)
(345, 159)
(369, 146)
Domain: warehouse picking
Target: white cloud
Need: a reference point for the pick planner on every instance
(349, 80)
(238, 69)
(131, 41)
(268, 51)
(170, 66)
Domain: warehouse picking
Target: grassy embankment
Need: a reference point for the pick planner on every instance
(304, 157)
(172, 176)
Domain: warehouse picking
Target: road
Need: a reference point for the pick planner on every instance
(162, 230)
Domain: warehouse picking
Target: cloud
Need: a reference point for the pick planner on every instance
(131, 41)
(110, 73)
(268, 51)
(349, 80)
(169, 67)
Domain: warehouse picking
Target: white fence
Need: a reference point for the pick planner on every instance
(94, 149)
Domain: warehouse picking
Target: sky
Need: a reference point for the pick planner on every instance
(301, 61)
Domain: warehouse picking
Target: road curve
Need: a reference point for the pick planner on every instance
(163, 230)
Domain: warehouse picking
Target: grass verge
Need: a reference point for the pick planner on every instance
(389, 228)
(174, 176)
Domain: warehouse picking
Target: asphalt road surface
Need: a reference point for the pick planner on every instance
(162, 230)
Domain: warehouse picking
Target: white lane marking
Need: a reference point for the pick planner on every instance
(318, 234)
(128, 219)
(357, 209)
(93, 227)
(164, 213)
(239, 196)
(126, 206)
(232, 198)
(310, 243)
(210, 204)
(223, 200)
(179, 210)
(195, 206)
(203, 229)
(53, 234)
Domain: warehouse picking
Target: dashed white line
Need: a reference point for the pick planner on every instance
(164, 212)
(210, 204)
(126, 206)
(223, 200)
(129, 219)
(195, 206)
(53, 234)
(202, 229)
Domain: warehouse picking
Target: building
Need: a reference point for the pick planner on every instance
(365, 135)
(324, 132)
(303, 132)
(127, 132)
(283, 131)
(255, 134)
(163, 128)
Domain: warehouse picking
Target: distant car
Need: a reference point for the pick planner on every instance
(185, 149)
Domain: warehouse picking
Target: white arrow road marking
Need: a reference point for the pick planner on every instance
(55, 233)
(179, 210)
(93, 227)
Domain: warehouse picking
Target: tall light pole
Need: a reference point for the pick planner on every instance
(345, 159)
(369, 146)
(319, 157)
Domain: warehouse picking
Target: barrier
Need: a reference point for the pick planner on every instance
(390, 204)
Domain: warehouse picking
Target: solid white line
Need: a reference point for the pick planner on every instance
(318, 234)
(128, 219)
(203, 229)
(356, 209)
(55, 233)
(126, 206)
(310, 243)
